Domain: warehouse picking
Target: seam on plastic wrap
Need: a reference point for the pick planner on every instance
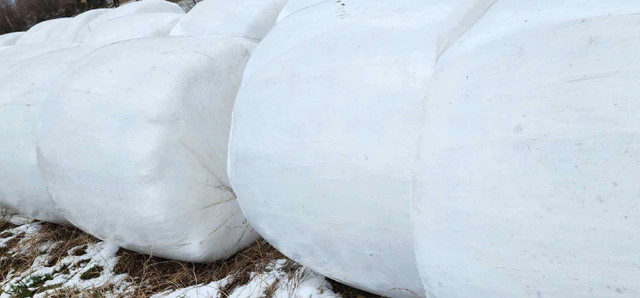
(426, 287)
(301, 9)
(463, 32)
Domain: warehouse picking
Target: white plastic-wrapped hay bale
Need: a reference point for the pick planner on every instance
(24, 85)
(9, 39)
(527, 183)
(14, 54)
(60, 30)
(132, 27)
(69, 32)
(43, 31)
(131, 8)
(241, 18)
(53, 31)
(325, 132)
(293, 6)
(511, 16)
(133, 147)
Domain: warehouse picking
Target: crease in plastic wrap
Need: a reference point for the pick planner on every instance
(325, 133)
(527, 179)
(133, 150)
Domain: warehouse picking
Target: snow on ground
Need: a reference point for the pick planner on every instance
(41, 261)
(87, 266)
(276, 282)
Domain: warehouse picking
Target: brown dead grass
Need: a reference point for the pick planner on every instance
(5, 225)
(7, 262)
(349, 292)
(153, 275)
(150, 275)
(74, 292)
(156, 275)
(64, 238)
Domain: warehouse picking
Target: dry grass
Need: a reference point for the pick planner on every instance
(155, 275)
(7, 264)
(67, 238)
(73, 292)
(349, 292)
(4, 226)
(148, 275)
(63, 239)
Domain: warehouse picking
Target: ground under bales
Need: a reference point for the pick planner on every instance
(46, 260)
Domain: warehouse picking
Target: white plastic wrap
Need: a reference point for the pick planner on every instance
(60, 30)
(131, 8)
(241, 18)
(9, 39)
(53, 31)
(510, 16)
(294, 6)
(132, 27)
(69, 32)
(14, 54)
(133, 146)
(527, 182)
(42, 31)
(325, 133)
(24, 85)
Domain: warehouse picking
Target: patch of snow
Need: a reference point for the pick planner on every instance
(67, 273)
(302, 283)
(279, 278)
